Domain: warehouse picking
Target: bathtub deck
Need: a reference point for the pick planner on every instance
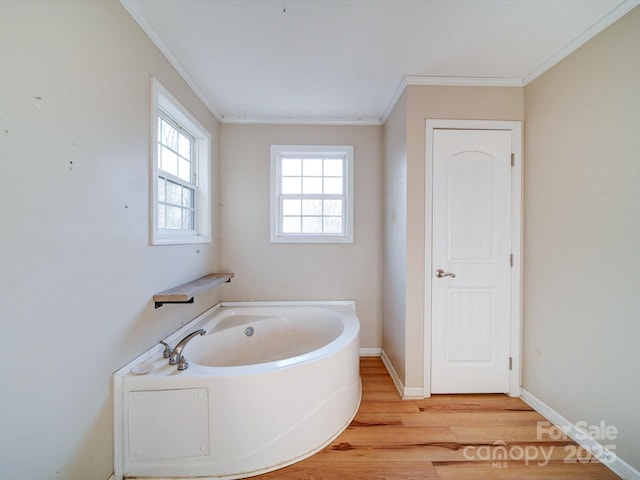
(443, 437)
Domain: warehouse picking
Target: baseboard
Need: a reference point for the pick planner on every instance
(405, 392)
(112, 477)
(607, 457)
(370, 352)
(413, 393)
(392, 372)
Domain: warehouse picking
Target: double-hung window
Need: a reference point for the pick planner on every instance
(312, 193)
(181, 161)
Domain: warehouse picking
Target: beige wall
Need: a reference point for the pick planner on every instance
(395, 236)
(582, 233)
(279, 271)
(431, 102)
(77, 271)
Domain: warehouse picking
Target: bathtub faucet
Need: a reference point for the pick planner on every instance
(176, 357)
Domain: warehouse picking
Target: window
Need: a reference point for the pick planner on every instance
(181, 165)
(312, 198)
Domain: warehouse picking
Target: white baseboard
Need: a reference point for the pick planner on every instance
(394, 376)
(370, 352)
(405, 392)
(112, 477)
(608, 458)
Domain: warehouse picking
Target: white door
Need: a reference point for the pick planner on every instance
(471, 259)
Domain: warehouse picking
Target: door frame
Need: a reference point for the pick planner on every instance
(515, 334)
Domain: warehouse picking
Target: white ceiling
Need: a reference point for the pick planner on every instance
(345, 61)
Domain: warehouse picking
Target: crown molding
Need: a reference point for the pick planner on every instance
(301, 120)
(618, 12)
(463, 81)
(394, 99)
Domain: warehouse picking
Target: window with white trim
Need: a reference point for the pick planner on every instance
(181, 165)
(312, 193)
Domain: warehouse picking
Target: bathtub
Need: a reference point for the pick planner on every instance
(269, 384)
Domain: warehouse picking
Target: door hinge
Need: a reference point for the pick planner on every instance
(511, 260)
(510, 363)
(513, 159)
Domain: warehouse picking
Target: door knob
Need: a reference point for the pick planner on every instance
(441, 274)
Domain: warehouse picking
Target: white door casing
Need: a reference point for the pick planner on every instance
(472, 320)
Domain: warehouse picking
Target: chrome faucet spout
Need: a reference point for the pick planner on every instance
(176, 357)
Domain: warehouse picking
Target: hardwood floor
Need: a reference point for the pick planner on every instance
(446, 437)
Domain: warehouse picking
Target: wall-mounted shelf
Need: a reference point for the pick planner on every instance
(185, 293)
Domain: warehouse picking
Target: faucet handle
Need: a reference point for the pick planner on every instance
(167, 350)
(183, 363)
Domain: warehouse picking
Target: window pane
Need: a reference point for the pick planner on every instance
(311, 185)
(168, 161)
(291, 224)
(169, 135)
(291, 185)
(184, 146)
(187, 197)
(332, 224)
(184, 170)
(312, 167)
(333, 186)
(312, 224)
(291, 207)
(333, 167)
(291, 167)
(174, 193)
(332, 207)
(312, 207)
(174, 217)
(187, 219)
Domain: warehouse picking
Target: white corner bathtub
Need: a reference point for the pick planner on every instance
(269, 384)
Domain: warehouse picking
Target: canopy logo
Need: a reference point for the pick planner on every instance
(500, 453)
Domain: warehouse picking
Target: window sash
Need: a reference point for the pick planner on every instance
(165, 204)
(188, 210)
(321, 215)
(192, 160)
(302, 174)
(319, 175)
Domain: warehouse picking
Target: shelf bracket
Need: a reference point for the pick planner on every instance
(159, 304)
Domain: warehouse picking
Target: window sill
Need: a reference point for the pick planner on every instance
(180, 240)
(310, 239)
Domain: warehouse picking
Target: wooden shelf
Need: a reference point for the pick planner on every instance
(185, 293)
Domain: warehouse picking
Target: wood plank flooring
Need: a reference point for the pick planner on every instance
(445, 437)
